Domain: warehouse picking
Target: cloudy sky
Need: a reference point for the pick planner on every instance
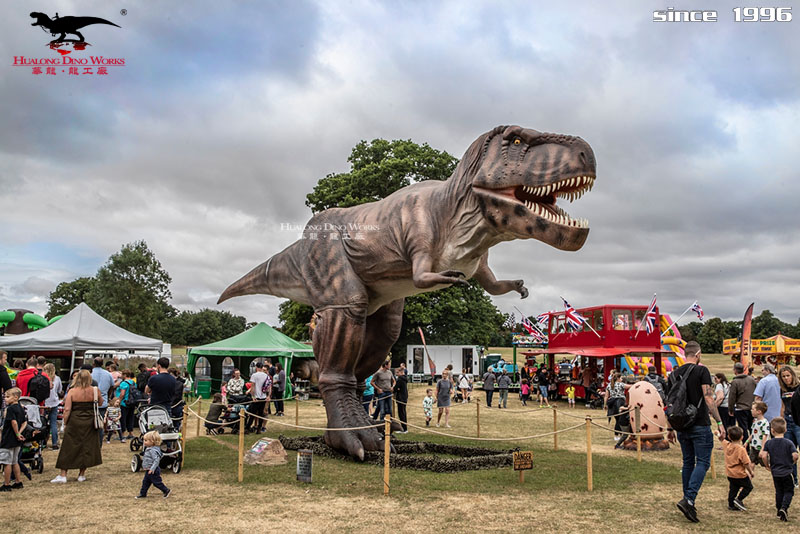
(226, 115)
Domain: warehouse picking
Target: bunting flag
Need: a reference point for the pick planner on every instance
(574, 319)
(650, 317)
(698, 310)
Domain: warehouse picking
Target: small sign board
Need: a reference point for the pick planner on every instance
(304, 461)
(523, 460)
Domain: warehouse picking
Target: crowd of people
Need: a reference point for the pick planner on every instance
(98, 402)
(262, 392)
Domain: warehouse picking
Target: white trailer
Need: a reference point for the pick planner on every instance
(460, 356)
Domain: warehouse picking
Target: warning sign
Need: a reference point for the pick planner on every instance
(523, 460)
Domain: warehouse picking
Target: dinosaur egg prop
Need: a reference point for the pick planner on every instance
(644, 395)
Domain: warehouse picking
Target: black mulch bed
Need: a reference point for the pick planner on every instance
(407, 455)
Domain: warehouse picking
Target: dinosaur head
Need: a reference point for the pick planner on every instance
(40, 18)
(519, 177)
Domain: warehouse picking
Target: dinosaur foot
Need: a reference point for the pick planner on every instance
(345, 411)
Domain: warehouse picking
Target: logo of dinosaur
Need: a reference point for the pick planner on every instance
(65, 25)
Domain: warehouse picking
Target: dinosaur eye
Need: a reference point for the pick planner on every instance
(517, 141)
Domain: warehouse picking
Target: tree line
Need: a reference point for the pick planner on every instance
(712, 332)
(132, 291)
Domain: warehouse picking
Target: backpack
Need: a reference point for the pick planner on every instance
(680, 413)
(266, 387)
(39, 387)
(657, 384)
(133, 394)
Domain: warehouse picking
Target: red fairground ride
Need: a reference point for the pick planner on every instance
(608, 334)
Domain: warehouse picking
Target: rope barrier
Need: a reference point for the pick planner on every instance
(520, 438)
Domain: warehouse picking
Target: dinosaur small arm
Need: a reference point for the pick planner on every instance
(423, 237)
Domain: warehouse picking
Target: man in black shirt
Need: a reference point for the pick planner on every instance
(401, 396)
(161, 386)
(696, 441)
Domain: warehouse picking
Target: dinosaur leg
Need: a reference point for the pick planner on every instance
(338, 339)
(80, 37)
(383, 329)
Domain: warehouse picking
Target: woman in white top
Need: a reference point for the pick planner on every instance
(463, 385)
(52, 402)
(721, 398)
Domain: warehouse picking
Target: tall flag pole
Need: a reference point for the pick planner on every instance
(649, 319)
(430, 360)
(530, 327)
(695, 308)
(576, 320)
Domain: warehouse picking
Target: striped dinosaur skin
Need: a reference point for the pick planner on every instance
(423, 237)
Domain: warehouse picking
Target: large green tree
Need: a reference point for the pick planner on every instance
(711, 336)
(294, 318)
(67, 295)
(132, 290)
(454, 315)
(377, 169)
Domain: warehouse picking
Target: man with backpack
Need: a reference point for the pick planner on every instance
(689, 403)
(129, 394)
(33, 382)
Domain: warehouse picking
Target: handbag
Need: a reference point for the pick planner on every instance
(98, 419)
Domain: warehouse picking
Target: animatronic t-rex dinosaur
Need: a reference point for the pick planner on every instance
(65, 25)
(421, 238)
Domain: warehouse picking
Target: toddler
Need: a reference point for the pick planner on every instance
(525, 392)
(11, 441)
(427, 406)
(570, 391)
(779, 455)
(151, 464)
(113, 416)
(738, 468)
(759, 432)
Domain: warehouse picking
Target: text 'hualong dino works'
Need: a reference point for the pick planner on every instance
(425, 237)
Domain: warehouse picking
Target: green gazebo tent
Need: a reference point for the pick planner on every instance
(261, 341)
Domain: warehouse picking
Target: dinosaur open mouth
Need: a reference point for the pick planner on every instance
(541, 200)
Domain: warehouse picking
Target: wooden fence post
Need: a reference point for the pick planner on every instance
(589, 453)
(241, 446)
(638, 428)
(387, 439)
(199, 406)
(297, 410)
(478, 415)
(184, 430)
(555, 429)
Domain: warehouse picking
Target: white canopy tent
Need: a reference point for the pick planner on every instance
(80, 329)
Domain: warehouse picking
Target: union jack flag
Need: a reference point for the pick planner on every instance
(528, 325)
(574, 319)
(698, 310)
(543, 319)
(650, 317)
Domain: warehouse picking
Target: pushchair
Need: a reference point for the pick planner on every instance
(158, 418)
(138, 407)
(35, 433)
(233, 414)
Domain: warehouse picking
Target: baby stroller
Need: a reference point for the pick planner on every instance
(234, 413)
(34, 433)
(158, 418)
(138, 407)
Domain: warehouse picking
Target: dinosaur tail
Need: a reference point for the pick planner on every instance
(277, 276)
(81, 22)
(252, 283)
